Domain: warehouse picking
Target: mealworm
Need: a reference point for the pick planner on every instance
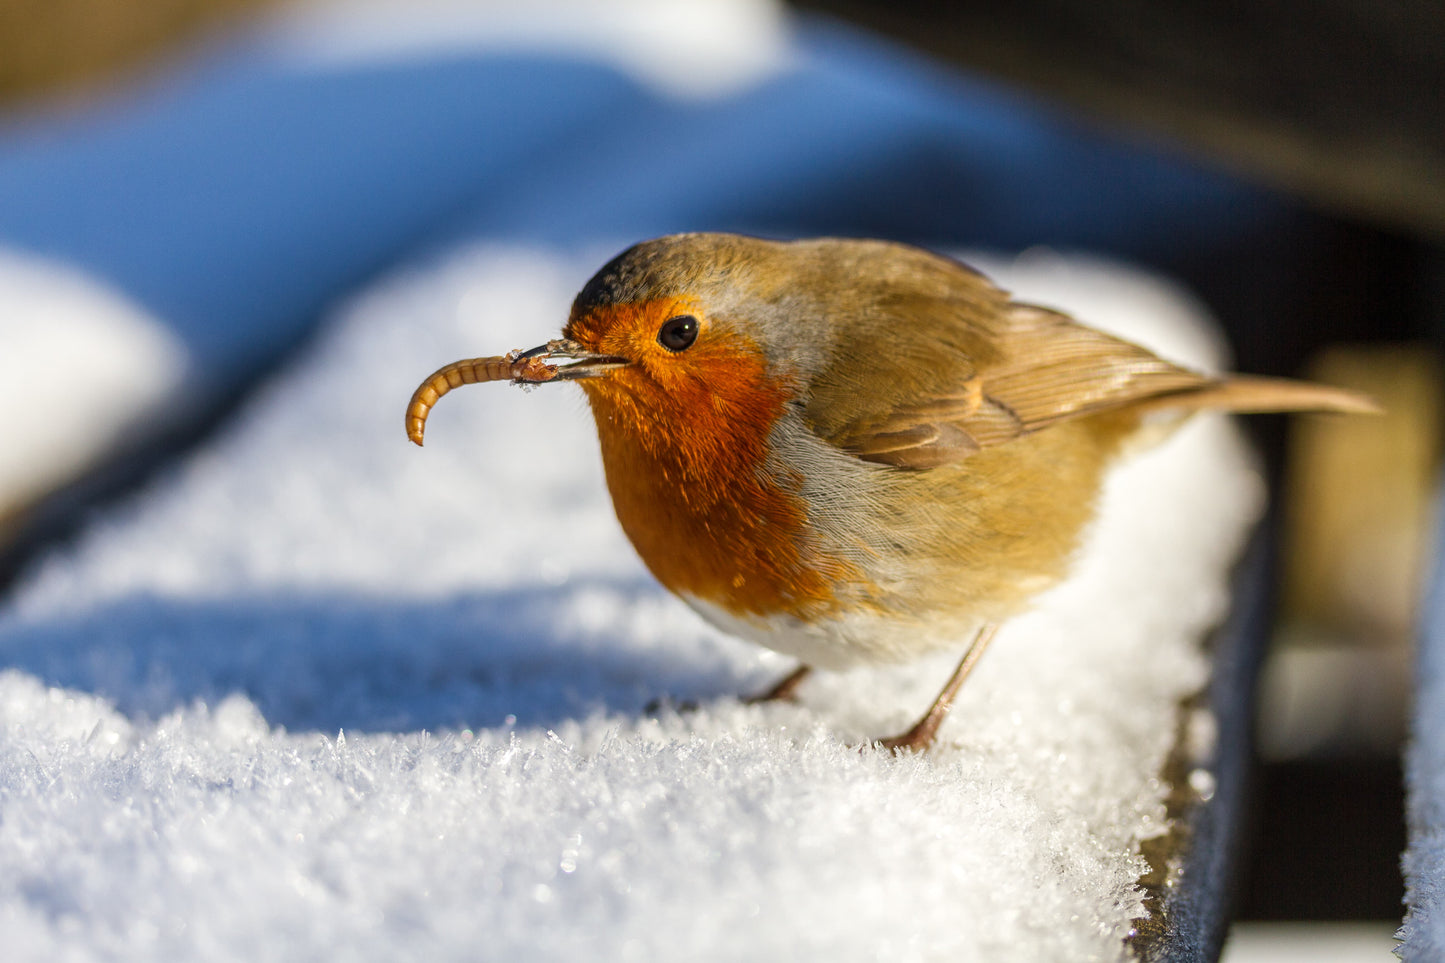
(470, 371)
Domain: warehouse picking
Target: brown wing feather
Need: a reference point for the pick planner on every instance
(1053, 368)
(1039, 367)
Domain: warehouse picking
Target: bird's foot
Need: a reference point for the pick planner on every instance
(925, 730)
(918, 739)
(786, 688)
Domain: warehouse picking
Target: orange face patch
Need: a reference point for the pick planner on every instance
(684, 439)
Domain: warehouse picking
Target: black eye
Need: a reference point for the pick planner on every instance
(678, 334)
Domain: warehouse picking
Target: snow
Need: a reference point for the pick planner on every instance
(694, 49)
(82, 365)
(319, 694)
(1423, 863)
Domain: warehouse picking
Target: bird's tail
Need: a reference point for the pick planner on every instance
(1248, 394)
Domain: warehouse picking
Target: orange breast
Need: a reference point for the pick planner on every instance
(687, 467)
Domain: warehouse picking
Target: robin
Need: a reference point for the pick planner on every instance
(853, 450)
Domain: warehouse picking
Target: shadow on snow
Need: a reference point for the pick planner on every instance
(339, 661)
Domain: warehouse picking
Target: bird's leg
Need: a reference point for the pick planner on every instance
(921, 736)
(785, 688)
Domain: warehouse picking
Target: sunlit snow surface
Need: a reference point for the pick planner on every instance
(174, 784)
(81, 367)
(1423, 931)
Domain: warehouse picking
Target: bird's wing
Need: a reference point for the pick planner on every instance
(998, 371)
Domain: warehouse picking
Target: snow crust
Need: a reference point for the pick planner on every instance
(320, 694)
(1422, 933)
(690, 49)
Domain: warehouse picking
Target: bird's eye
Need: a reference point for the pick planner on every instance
(678, 334)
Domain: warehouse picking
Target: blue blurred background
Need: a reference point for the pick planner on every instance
(238, 195)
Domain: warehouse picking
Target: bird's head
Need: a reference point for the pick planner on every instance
(676, 342)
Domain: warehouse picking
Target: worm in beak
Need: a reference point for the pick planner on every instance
(519, 367)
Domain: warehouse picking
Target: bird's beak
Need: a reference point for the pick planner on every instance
(584, 363)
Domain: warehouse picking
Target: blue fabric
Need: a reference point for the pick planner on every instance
(238, 200)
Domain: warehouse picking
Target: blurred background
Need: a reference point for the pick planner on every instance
(235, 166)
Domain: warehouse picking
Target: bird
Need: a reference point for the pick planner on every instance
(854, 451)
